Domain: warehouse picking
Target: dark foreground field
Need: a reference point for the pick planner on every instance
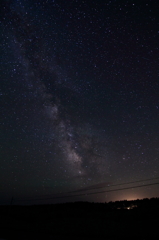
(82, 220)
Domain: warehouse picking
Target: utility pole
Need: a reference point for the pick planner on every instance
(11, 201)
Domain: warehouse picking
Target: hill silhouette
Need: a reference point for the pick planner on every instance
(80, 220)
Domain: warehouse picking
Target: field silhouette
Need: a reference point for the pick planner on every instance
(138, 219)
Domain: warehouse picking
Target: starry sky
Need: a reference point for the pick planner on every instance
(79, 90)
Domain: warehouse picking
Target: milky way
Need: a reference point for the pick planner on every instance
(79, 95)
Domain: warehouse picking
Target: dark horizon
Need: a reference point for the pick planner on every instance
(110, 203)
(82, 194)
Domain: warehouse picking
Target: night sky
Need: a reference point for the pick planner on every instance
(79, 90)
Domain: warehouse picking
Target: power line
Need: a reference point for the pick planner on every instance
(119, 184)
(89, 189)
(92, 193)
(93, 188)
